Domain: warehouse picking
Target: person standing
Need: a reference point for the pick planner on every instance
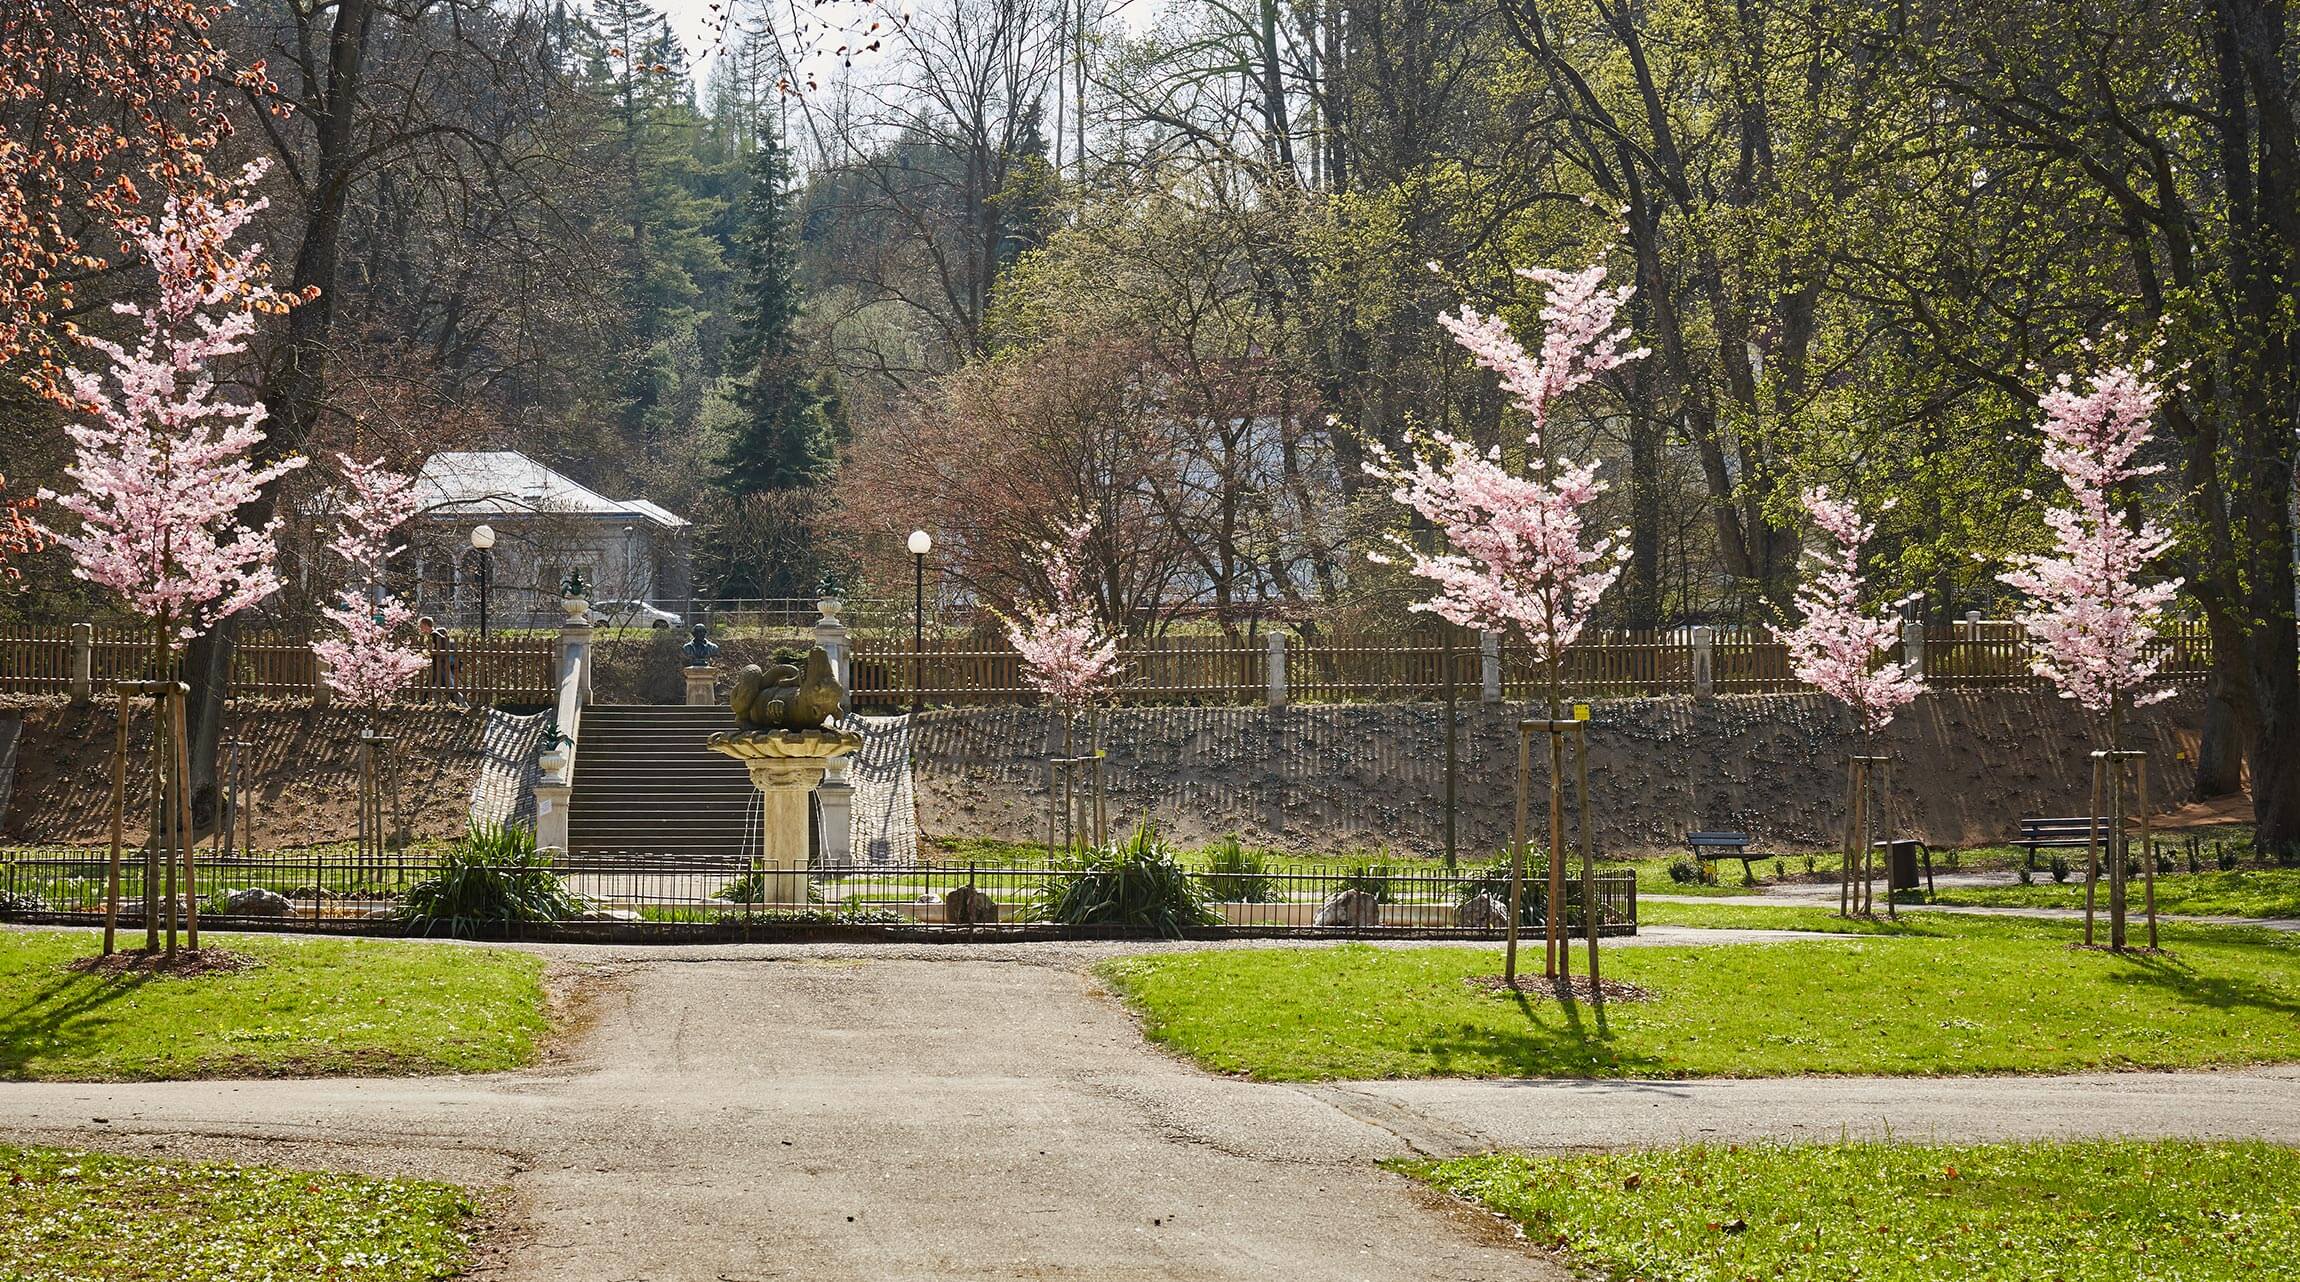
(441, 647)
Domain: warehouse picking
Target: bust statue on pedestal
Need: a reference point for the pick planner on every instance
(700, 648)
(702, 678)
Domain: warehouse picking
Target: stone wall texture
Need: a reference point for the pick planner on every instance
(1968, 767)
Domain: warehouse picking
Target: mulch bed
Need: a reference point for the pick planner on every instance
(1572, 988)
(2130, 950)
(183, 964)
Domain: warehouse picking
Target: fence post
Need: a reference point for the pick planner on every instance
(831, 635)
(1704, 662)
(321, 693)
(1275, 670)
(83, 662)
(1489, 667)
(1913, 647)
(834, 804)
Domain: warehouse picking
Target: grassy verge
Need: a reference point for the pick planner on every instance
(1932, 994)
(308, 1007)
(2256, 892)
(2080, 1212)
(79, 1216)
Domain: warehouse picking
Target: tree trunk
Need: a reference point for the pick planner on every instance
(293, 387)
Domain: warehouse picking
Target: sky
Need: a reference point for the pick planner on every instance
(694, 20)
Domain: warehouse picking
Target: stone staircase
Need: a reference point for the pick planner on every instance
(644, 783)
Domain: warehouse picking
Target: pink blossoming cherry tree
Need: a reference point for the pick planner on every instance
(2090, 611)
(1066, 653)
(1519, 557)
(368, 661)
(163, 465)
(1843, 651)
(369, 658)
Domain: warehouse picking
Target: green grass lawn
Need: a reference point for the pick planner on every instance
(84, 1217)
(2253, 892)
(309, 1007)
(1933, 994)
(2098, 1211)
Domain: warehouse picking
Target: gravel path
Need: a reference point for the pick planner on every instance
(750, 1112)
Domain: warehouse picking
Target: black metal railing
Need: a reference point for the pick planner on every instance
(339, 891)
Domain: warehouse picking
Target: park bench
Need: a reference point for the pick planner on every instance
(1724, 845)
(2069, 833)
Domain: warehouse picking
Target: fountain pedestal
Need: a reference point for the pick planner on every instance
(786, 766)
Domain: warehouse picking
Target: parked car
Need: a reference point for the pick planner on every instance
(631, 614)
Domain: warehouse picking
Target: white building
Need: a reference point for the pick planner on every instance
(546, 526)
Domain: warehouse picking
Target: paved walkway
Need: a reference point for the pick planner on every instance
(961, 1112)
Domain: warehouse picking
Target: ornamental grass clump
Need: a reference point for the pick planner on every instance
(1139, 885)
(491, 877)
(1237, 875)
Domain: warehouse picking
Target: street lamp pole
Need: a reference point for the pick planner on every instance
(920, 544)
(483, 541)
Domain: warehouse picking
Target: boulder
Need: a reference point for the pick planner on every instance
(1481, 912)
(255, 901)
(967, 906)
(1351, 908)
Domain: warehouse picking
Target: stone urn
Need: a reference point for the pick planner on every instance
(574, 607)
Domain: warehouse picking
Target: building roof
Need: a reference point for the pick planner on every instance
(507, 483)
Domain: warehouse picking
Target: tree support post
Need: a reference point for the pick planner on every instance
(1868, 787)
(1568, 744)
(2112, 770)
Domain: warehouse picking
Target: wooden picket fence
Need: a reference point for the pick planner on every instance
(1338, 669)
(36, 658)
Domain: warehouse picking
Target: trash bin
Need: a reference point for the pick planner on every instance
(1901, 863)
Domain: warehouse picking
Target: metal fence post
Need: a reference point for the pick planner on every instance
(1704, 662)
(83, 671)
(1275, 671)
(1489, 667)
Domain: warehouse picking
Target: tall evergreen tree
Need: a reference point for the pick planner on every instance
(783, 441)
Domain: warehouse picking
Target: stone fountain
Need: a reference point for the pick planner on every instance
(783, 736)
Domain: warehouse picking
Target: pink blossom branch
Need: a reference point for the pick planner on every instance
(1836, 648)
(2090, 614)
(1519, 557)
(163, 467)
(1065, 654)
(367, 665)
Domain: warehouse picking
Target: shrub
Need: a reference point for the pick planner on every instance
(2059, 868)
(1235, 874)
(15, 905)
(1139, 884)
(750, 888)
(1493, 879)
(492, 876)
(1780, 870)
(1684, 871)
(1373, 879)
